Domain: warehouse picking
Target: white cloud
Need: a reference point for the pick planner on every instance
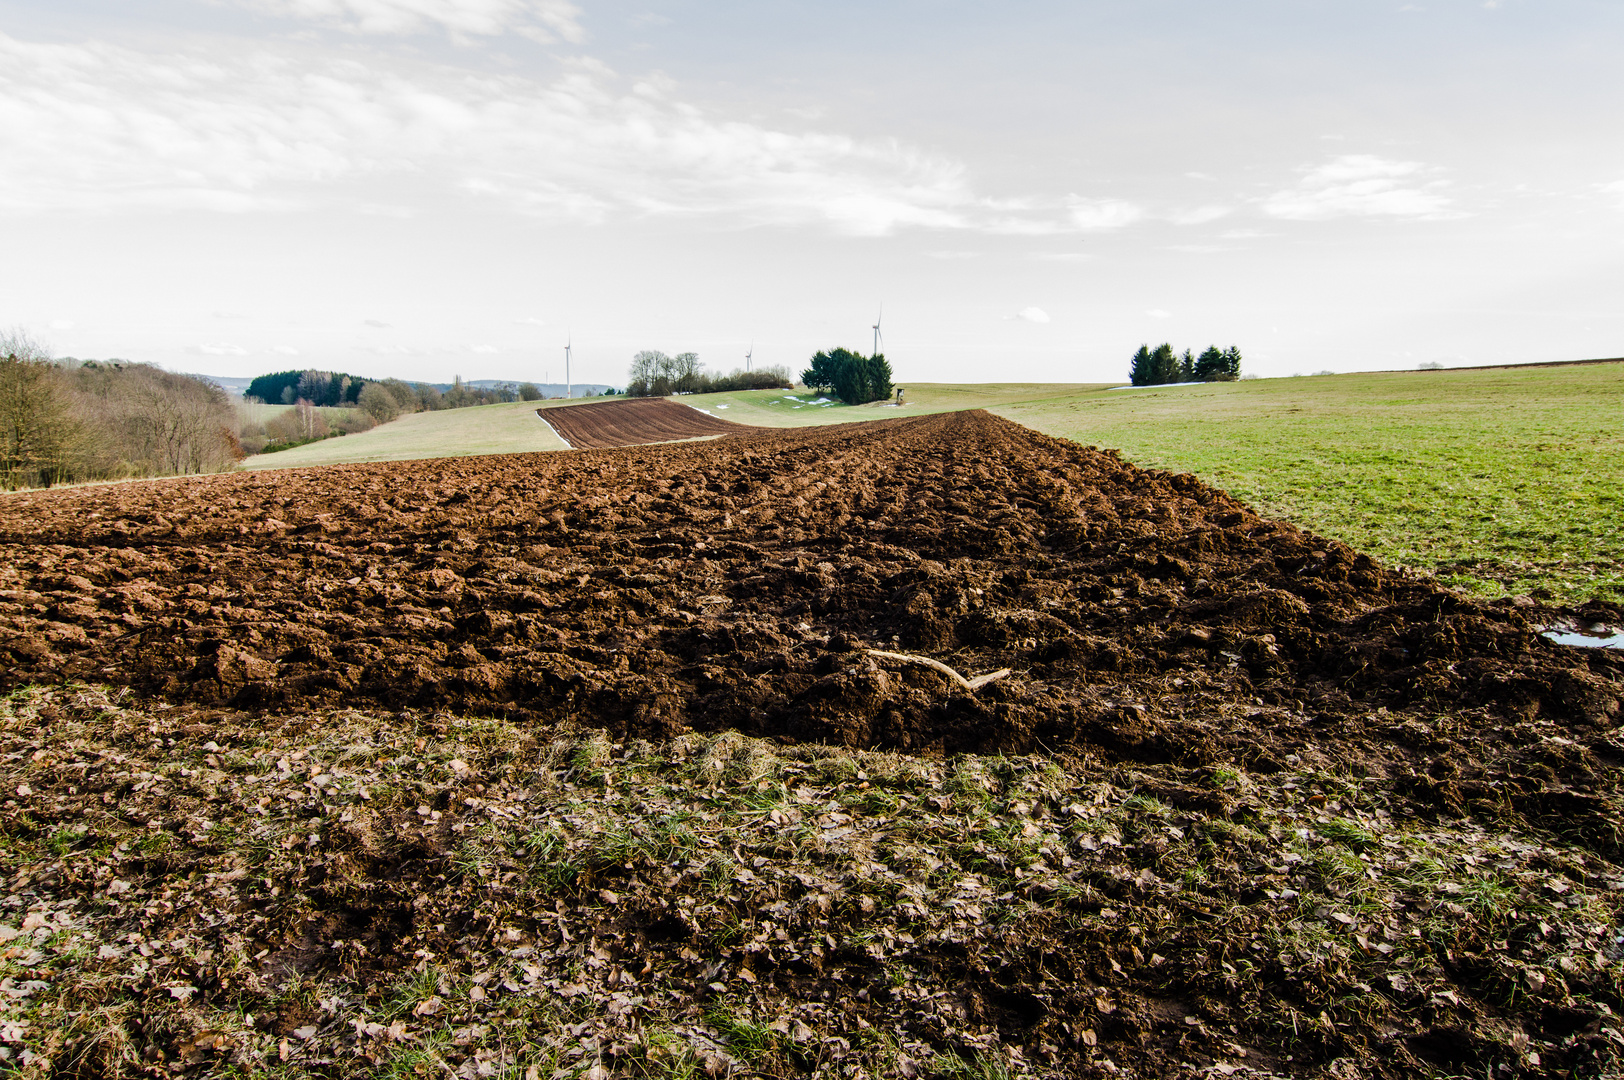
(111, 128)
(1063, 256)
(952, 255)
(530, 320)
(376, 324)
(1362, 185)
(1102, 213)
(1616, 190)
(1033, 314)
(61, 324)
(482, 349)
(546, 21)
(221, 348)
(229, 315)
(1198, 215)
(285, 350)
(1159, 313)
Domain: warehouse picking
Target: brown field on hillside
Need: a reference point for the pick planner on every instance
(1115, 858)
(632, 422)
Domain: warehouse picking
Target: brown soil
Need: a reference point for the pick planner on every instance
(654, 591)
(1152, 623)
(633, 422)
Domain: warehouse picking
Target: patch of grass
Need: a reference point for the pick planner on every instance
(662, 1054)
(416, 988)
(1350, 834)
(65, 839)
(755, 1043)
(978, 1066)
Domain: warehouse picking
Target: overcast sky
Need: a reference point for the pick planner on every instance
(426, 188)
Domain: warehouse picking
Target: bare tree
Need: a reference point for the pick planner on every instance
(36, 431)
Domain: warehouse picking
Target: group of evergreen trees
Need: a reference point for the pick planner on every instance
(1159, 366)
(853, 377)
(382, 399)
(320, 388)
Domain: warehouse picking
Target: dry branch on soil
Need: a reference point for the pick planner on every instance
(972, 685)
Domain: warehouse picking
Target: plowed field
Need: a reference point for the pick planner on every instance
(633, 422)
(1224, 673)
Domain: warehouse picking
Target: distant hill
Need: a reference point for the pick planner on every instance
(231, 384)
(579, 389)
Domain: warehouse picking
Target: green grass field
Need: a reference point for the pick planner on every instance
(1502, 480)
(1507, 480)
(510, 428)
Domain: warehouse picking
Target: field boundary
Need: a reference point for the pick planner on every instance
(567, 444)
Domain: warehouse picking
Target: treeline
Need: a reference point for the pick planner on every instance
(852, 377)
(375, 401)
(321, 388)
(70, 421)
(654, 374)
(384, 399)
(304, 423)
(1159, 366)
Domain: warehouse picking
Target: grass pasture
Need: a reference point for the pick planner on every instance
(508, 428)
(1499, 481)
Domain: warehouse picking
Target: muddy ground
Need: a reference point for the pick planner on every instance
(1269, 697)
(634, 421)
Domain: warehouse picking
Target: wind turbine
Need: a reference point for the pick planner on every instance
(748, 355)
(877, 337)
(568, 389)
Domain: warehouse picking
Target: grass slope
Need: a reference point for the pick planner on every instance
(510, 428)
(1504, 479)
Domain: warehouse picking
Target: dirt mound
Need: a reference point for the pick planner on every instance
(1147, 616)
(633, 422)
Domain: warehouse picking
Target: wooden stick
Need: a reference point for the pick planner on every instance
(971, 685)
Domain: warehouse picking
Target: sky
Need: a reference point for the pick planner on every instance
(1026, 190)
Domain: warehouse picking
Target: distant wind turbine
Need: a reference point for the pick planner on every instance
(748, 355)
(568, 389)
(877, 337)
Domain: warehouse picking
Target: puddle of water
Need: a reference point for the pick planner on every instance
(1585, 641)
